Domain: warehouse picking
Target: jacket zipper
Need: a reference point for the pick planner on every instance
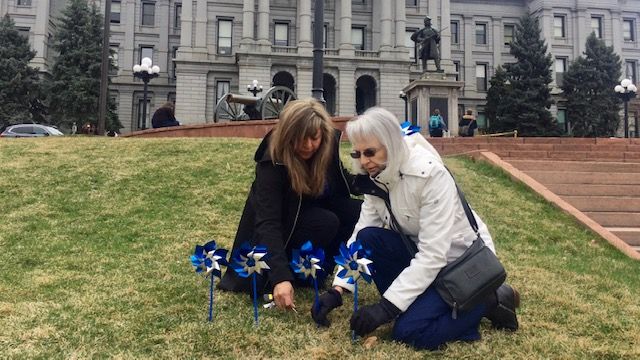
(295, 222)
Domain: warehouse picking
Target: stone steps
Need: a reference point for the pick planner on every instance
(581, 177)
(594, 190)
(630, 235)
(582, 166)
(604, 203)
(614, 218)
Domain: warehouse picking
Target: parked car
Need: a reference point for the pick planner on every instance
(30, 130)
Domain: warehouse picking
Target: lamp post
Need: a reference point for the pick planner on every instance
(402, 95)
(145, 72)
(254, 88)
(627, 91)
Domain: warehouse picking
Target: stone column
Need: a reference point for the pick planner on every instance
(127, 60)
(186, 25)
(191, 95)
(163, 48)
(582, 31)
(445, 36)
(469, 64)
(401, 25)
(346, 45)
(39, 31)
(547, 26)
(385, 25)
(248, 14)
(305, 44)
(498, 41)
(616, 32)
(201, 26)
(263, 23)
(346, 93)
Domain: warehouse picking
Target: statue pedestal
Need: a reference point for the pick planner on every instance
(434, 90)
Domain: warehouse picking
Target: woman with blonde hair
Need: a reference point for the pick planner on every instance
(301, 192)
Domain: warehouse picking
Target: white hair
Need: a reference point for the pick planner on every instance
(382, 125)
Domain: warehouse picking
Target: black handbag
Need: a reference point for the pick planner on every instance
(472, 277)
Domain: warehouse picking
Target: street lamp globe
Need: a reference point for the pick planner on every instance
(627, 91)
(145, 71)
(619, 89)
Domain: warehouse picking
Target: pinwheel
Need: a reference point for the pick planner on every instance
(248, 261)
(408, 129)
(308, 262)
(354, 265)
(207, 259)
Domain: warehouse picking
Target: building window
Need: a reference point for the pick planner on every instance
(145, 51)
(325, 36)
(628, 30)
(596, 26)
(113, 56)
(509, 30)
(456, 65)
(357, 37)
(630, 71)
(148, 13)
(412, 46)
(174, 52)
(561, 119)
(24, 2)
(24, 32)
(481, 34)
(222, 88)
(482, 120)
(455, 39)
(481, 77)
(178, 17)
(281, 34)
(558, 26)
(115, 12)
(411, 2)
(561, 67)
(224, 36)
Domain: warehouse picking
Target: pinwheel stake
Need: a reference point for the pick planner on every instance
(354, 265)
(249, 261)
(207, 260)
(308, 262)
(408, 129)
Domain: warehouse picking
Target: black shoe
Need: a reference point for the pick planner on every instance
(503, 315)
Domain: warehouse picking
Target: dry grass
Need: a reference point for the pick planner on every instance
(95, 237)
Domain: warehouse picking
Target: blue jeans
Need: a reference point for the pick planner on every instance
(427, 323)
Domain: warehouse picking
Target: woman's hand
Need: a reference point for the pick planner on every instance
(326, 302)
(283, 295)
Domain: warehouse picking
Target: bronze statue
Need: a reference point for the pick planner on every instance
(429, 39)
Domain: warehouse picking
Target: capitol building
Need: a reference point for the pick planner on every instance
(207, 48)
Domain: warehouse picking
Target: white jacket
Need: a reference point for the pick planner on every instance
(427, 207)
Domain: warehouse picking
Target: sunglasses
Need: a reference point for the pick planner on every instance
(369, 152)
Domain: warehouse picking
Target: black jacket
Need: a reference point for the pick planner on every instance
(270, 214)
(163, 118)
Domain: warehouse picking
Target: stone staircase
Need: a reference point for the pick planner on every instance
(599, 177)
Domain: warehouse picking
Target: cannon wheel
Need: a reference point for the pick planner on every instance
(274, 101)
(228, 110)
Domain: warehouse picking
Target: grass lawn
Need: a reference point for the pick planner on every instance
(96, 233)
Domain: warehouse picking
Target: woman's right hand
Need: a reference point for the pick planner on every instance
(326, 302)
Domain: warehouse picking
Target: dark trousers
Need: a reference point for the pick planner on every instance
(327, 224)
(427, 323)
(435, 132)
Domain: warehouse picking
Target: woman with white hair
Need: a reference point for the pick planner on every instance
(410, 183)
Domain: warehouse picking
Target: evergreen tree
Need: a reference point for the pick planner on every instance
(19, 83)
(497, 100)
(74, 87)
(592, 105)
(529, 98)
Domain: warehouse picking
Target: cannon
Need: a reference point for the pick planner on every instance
(236, 107)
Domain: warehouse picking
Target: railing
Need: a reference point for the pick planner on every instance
(331, 52)
(367, 54)
(284, 49)
(508, 133)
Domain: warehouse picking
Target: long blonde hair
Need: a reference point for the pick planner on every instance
(299, 120)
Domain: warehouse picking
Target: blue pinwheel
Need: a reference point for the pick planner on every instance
(353, 265)
(249, 261)
(306, 263)
(207, 259)
(409, 129)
